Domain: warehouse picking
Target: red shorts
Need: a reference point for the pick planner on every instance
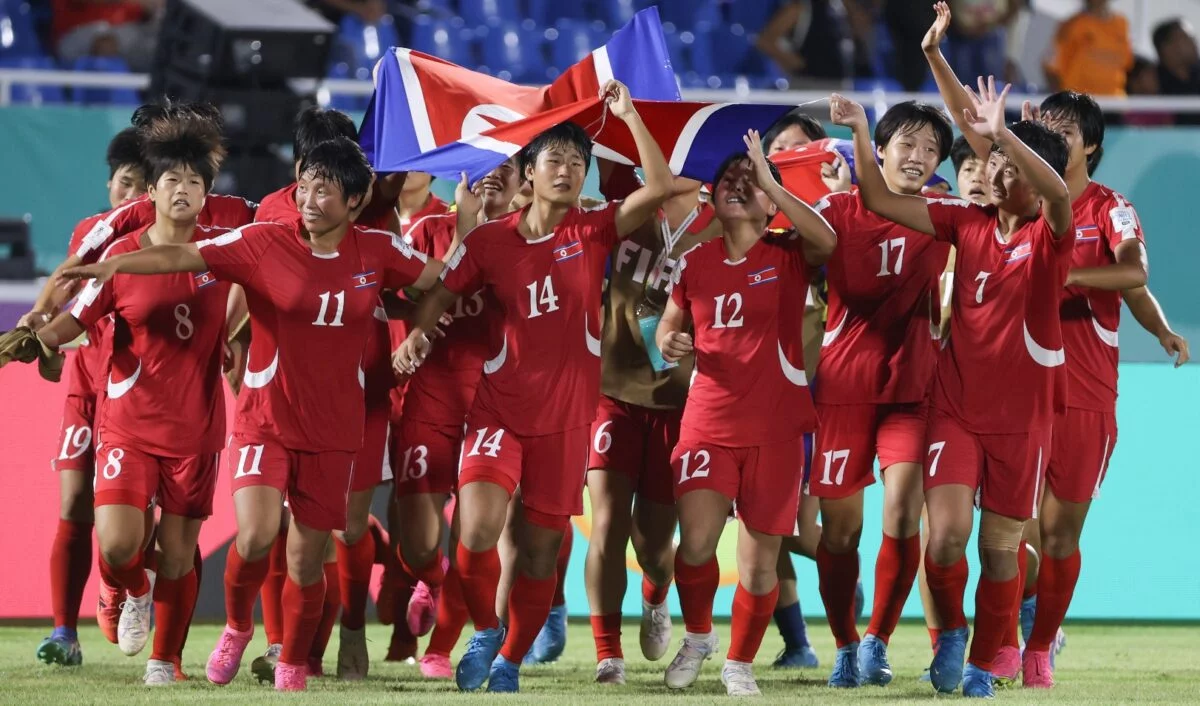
(636, 441)
(1079, 456)
(550, 469)
(316, 486)
(852, 435)
(371, 465)
(425, 457)
(762, 481)
(181, 486)
(1006, 470)
(76, 451)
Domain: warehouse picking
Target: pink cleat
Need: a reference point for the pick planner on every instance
(1006, 666)
(1035, 667)
(226, 657)
(291, 677)
(108, 609)
(422, 608)
(435, 666)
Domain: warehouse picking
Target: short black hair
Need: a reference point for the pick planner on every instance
(315, 125)
(809, 125)
(125, 149)
(735, 158)
(911, 116)
(564, 134)
(189, 141)
(1046, 143)
(1163, 31)
(1084, 111)
(166, 108)
(342, 162)
(960, 152)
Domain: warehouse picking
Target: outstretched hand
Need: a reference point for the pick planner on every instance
(616, 95)
(988, 118)
(937, 31)
(758, 161)
(847, 113)
(101, 272)
(465, 197)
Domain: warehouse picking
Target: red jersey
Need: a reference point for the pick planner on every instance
(279, 207)
(310, 315)
(398, 330)
(219, 211)
(542, 375)
(749, 387)
(88, 362)
(443, 388)
(1090, 317)
(164, 393)
(1001, 372)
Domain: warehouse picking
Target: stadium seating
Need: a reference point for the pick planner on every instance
(514, 53)
(33, 93)
(18, 35)
(104, 96)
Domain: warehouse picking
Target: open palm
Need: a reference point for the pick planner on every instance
(937, 31)
(988, 108)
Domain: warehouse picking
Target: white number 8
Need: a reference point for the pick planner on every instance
(112, 468)
(603, 440)
(184, 328)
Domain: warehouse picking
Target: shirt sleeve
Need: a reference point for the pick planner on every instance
(951, 216)
(599, 225)
(236, 255)
(1062, 246)
(120, 221)
(399, 264)
(464, 271)
(95, 300)
(1122, 223)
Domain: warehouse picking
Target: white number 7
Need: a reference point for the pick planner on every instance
(981, 278)
(936, 449)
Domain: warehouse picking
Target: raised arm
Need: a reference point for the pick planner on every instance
(1149, 315)
(672, 338)
(909, 211)
(640, 205)
(957, 100)
(154, 260)
(819, 238)
(1129, 272)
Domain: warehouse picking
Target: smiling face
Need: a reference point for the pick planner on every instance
(790, 138)
(910, 158)
(557, 174)
(1009, 190)
(972, 181)
(737, 198)
(322, 203)
(498, 188)
(178, 195)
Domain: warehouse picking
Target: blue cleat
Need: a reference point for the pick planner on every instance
(873, 664)
(1028, 611)
(924, 678)
(62, 647)
(860, 601)
(551, 640)
(476, 662)
(504, 677)
(977, 683)
(946, 670)
(802, 657)
(845, 668)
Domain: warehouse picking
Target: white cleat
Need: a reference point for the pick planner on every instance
(611, 671)
(353, 662)
(133, 629)
(738, 678)
(685, 668)
(159, 673)
(655, 634)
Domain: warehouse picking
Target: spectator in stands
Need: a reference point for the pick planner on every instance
(118, 28)
(907, 21)
(1143, 81)
(1178, 59)
(979, 36)
(804, 38)
(1092, 52)
(370, 11)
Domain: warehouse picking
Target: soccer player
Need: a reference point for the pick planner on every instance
(533, 409)
(429, 443)
(162, 421)
(748, 406)
(71, 553)
(312, 295)
(876, 363)
(988, 435)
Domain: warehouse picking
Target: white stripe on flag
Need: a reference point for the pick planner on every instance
(604, 71)
(491, 144)
(416, 101)
(599, 151)
(683, 145)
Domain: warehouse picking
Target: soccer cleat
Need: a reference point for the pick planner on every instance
(924, 678)
(315, 666)
(1060, 642)
(977, 683)
(60, 648)
(159, 673)
(946, 670)
(860, 601)
(693, 651)
(263, 667)
(873, 666)
(845, 668)
(551, 639)
(1006, 666)
(177, 663)
(738, 679)
(802, 657)
(133, 629)
(291, 677)
(108, 609)
(422, 608)
(611, 671)
(226, 658)
(504, 677)
(1036, 670)
(655, 633)
(402, 648)
(476, 662)
(1028, 613)
(436, 667)
(353, 661)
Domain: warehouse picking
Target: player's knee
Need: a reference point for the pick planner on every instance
(946, 548)
(841, 539)
(118, 551)
(695, 551)
(416, 554)
(1060, 543)
(355, 529)
(997, 563)
(757, 578)
(255, 542)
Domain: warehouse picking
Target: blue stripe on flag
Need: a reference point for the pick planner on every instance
(722, 133)
(638, 56)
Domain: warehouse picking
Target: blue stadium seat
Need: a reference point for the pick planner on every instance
(104, 96)
(33, 93)
(753, 16)
(548, 12)
(514, 53)
(444, 39)
(572, 40)
(886, 84)
(684, 14)
(18, 35)
(618, 12)
(366, 43)
(489, 12)
(737, 54)
(344, 102)
(692, 52)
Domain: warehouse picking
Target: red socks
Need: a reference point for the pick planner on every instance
(934, 634)
(838, 576)
(654, 595)
(751, 617)
(947, 585)
(272, 590)
(432, 574)
(606, 631)
(451, 616)
(329, 611)
(697, 587)
(895, 570)
(1055, 587)
(994, 601)
(480, 575)
(243, 580)
(354, 563)
(564, 558)
(131, 576)
(301, 617)
(1012, 637)
(528, 608)
(174, 603)
(70, 567)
